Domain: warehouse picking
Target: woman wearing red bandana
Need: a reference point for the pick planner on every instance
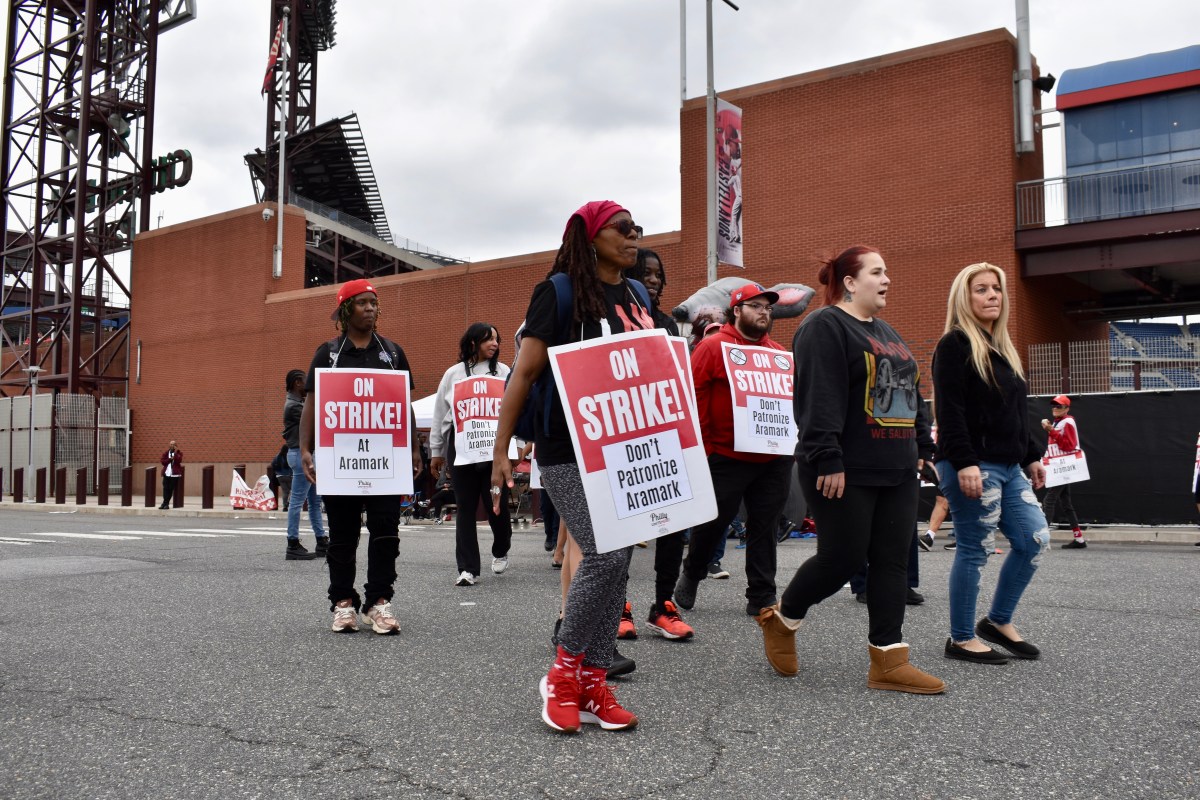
(599, 244)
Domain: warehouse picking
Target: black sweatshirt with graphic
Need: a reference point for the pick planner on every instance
(857, 401)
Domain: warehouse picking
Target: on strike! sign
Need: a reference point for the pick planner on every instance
(363, 434)
(636, 436)
(761, 380)
(475, 405)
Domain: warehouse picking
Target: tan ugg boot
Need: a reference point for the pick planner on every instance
(890, 670)
(779, 642)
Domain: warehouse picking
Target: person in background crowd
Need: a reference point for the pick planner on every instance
(358, 346)
(1063, 439)
(283, 477)
(856, 378)
(760, 480)
(478, 354)
(301, 488)
(663, 617)
(172, 463)
(983, 439)
(599, 244)
(443, 495)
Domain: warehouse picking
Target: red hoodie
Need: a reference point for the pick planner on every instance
(714, 399)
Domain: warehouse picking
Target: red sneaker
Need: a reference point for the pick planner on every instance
(560, 693)
(666, 622)
(627, 630)
(599, 706)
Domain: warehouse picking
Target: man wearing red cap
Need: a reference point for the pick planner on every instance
(1063, 438)
(760, 480)
(358, 346)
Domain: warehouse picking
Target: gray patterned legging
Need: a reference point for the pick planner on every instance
(597, 594)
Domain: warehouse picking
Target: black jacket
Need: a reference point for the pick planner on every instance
(979, 421)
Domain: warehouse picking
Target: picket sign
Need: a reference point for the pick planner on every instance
(364, 441)
(761, 383)
(260, 498)
(636, 436)
(475, 409)
(1069, 468)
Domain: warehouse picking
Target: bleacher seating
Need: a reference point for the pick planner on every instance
(1158, 340)
(1181, 378)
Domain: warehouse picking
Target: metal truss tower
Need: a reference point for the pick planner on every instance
(311, 30)
(78, 171)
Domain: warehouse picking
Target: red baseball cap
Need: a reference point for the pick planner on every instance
(1061, 400)
(751, 291)
(351, 289)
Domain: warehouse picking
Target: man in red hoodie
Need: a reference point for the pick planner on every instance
(761, 480)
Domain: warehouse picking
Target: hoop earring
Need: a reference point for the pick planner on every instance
(595, 255)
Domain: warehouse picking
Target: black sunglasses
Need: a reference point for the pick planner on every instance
(624, 227)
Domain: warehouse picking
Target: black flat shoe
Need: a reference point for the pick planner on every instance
(914, 598)
(963, 654)
(987, 631)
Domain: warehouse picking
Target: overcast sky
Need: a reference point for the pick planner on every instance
(488, 122)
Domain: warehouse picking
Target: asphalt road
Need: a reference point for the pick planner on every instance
(188, 659)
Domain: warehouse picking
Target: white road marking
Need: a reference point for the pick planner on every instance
(24, 542)
(208, 535)
(110, 538)
(243, 531)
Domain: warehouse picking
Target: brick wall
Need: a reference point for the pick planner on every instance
(911, 152)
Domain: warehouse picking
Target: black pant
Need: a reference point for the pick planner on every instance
(858, 581)
(1054, 496)
(549, 518)
(472, 483)
(383, 545)
(169, 484)
(668, 557)
(871, 524)
(764, 487)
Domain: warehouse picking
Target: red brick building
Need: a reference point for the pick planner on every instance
(911, 152)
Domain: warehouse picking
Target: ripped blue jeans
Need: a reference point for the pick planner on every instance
(1007, 504)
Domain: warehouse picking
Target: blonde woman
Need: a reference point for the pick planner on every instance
(984, 438)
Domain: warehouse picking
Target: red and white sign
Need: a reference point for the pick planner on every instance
(1069, 468)
(636, 437)
(475, 407)
(761, 380)
(364, 444)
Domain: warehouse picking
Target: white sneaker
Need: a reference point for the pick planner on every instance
(465, 579)
(499, 565)
(382, 619)
(345, 619)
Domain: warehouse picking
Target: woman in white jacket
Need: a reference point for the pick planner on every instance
(479, 355)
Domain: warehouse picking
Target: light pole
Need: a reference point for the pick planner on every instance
(33, 380)
(710, 121)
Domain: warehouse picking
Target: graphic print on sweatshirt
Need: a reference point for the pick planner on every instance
(891, 388)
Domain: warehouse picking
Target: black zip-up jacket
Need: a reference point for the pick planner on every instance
(979, 421)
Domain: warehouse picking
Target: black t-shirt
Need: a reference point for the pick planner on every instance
(373, 356)
(625, 312)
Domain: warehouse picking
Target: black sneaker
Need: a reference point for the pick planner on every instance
(925, 541)
(296, 551)
(861, 597)
(322, 545)
(1075, 544)
(950, 546)
(914, 598)
(620, 665)
(786, 526)
(685, 591)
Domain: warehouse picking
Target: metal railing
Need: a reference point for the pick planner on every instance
(1109, 194)
(341, 217)
(1118, 364)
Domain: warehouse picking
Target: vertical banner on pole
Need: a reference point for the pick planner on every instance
(729, 183)
(636, 436)
(364, 439)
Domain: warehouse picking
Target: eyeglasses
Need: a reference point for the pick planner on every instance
(1056, 405)
(625, 227)
(760, 307)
